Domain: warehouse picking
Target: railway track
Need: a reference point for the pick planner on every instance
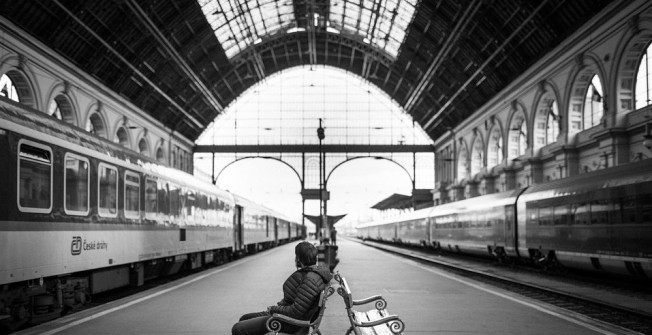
(551, 290)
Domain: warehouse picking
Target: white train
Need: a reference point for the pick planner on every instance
(80, 215)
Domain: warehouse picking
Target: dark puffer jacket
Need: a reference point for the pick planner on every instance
(301, 292)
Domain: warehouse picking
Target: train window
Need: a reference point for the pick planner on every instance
(163, 201)
(645, 207)
(561, 215)
(190, 204)
(76, 182)
(532, 214)
(629, 209)
(151, 202)
(34, 177)
(132, 195)
(581, 213)
(600, 211)
(175, 202)
(107, 190)
(616, 215)
(545, 216)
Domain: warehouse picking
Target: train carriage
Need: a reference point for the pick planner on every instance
(413, 228)
(82, 215)
(255, 224)
(600, 221)
(597, 221)
(478, 225)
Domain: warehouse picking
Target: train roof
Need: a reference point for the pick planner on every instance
(14, 116)
(413, 215)
(477, 203)
(625, 174)
(247, 203)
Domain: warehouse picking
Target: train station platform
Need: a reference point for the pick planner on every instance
(428, 300)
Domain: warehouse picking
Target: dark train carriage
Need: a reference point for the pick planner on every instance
(481, 225)
(413, 228)
(599, 221)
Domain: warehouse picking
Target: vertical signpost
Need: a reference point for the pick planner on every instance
(322, 206)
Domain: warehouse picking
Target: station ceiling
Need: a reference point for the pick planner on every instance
(184, 61)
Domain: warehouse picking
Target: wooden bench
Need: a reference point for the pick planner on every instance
(372, 322)
(308, 328)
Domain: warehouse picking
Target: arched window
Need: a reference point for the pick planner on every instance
(8, 89)
(122, 137)
(593, 106)
(463, 165)
(546, 127)
(644, 80)
(495, 148)
(477, 156)
(552, 124)
(61, 108)
(517, 137)
(143, 147)
(95, 125)
(160, 155)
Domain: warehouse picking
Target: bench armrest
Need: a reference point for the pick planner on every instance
(274, 323)
(381, 303)
(395, 324)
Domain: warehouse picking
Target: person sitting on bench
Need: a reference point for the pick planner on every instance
(300, 294)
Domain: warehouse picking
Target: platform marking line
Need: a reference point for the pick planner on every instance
(519, 301)
(147, 297)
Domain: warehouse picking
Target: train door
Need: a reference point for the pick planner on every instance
(275, 221)
(237, 227)
(510, 231)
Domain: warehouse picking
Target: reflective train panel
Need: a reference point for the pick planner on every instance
(82, 215)
(600, 221)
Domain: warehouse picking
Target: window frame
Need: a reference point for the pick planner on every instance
(151, 214)
(88, 185)
(51, 164)
(100, 212)
(130, 214)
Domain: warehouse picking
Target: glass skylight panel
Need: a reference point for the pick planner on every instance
(238, 24)
(286, 108)
(381, 23)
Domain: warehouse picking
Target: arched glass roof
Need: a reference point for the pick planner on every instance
(239, 24)
(285, 110)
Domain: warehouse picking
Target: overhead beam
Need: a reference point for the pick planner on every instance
(327, 148)
(480, 69)
(195, 122)
(452, 39)
(172, 52)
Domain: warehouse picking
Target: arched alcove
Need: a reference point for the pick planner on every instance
(587, 98)
(15, 85)
(495, 147)
(477, 156)
(160, 155)
(517, 134)
(463, 162)
(62, 108)
(96, 125)
(546, 120)
(143, 147)
(122, 137)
